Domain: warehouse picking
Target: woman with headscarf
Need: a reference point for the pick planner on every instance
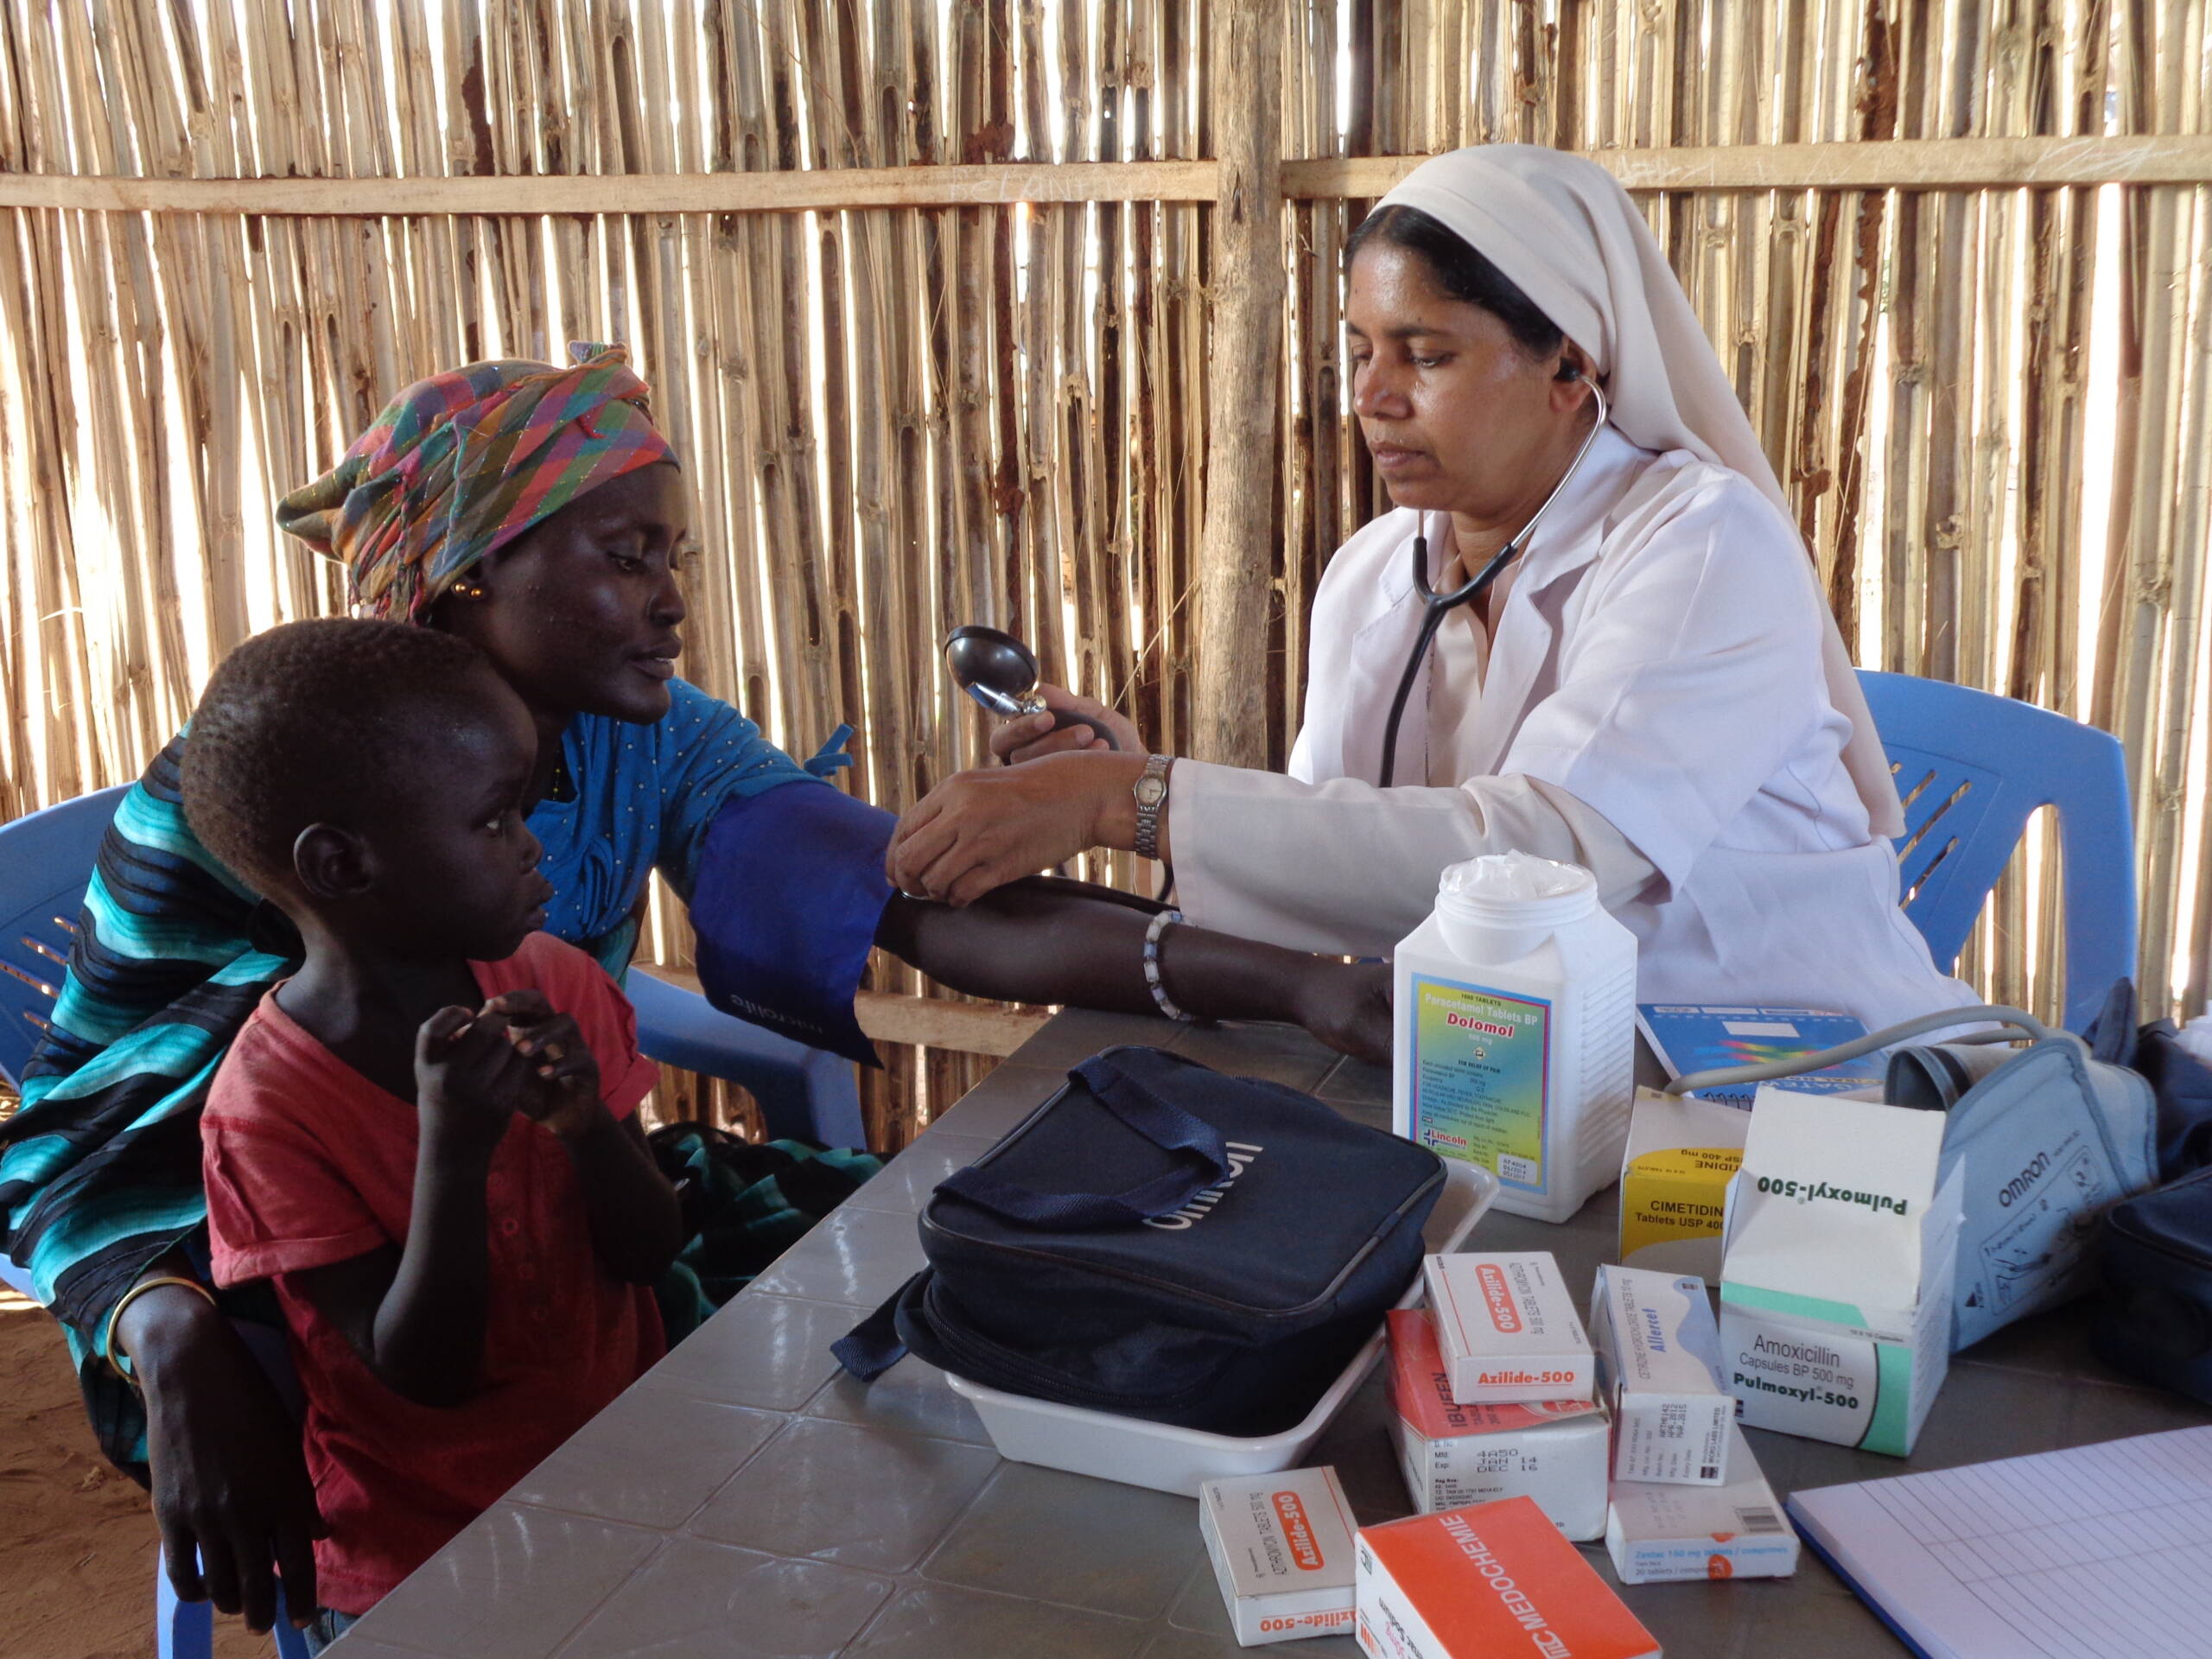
(538, 513)
(1651, 687)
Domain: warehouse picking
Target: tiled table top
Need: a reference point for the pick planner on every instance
(745, 1500)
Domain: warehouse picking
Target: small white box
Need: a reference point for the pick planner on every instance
(1555, 1451)
(1659, 1369)
(1656, 1533)
(1507, 1326)
(1282, 1548)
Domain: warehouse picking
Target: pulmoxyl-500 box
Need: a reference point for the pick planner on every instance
(1507, 1326)
(1659, 1369)
(1835, 1292)
(1553, 1451)
(1282, 1549)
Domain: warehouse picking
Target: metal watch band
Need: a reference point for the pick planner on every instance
(1151, 792)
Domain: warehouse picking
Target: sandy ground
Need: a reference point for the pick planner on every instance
(77, 1540)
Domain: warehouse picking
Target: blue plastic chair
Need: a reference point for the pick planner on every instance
(806, 1092)
(46, 859)
(1971, 768)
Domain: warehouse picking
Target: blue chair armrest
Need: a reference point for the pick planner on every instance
(804, 1093)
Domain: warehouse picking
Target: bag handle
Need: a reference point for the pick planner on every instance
(2022, 1024)
(1159, 1120)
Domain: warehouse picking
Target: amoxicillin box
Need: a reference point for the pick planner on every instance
(1553, 1451)
(1282, 1548)
(1659, 1369)
(1507, 1326)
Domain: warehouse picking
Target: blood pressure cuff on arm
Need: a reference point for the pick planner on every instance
(790, 888)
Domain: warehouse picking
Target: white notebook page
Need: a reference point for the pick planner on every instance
(2102, 1552)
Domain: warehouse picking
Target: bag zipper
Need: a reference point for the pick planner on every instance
(1247, 1310)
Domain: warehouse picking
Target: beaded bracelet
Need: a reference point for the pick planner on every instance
(1160, 924)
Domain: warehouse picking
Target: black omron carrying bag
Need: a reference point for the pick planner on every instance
(2154, 1317)
(1159, 1240)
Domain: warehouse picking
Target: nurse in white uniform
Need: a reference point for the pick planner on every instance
(1651, 685)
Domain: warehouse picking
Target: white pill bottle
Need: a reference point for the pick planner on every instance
(1516, 1016)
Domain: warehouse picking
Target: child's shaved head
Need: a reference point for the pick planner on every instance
(317, 722)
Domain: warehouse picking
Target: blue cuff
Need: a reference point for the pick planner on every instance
(789, 891)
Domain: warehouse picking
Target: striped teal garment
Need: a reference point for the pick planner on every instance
(99, 1172)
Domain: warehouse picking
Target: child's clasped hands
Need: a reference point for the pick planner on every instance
(516, 1053)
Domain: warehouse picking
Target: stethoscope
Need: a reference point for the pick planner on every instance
(1437, 606)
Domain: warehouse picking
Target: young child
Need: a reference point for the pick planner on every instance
(425, 1138)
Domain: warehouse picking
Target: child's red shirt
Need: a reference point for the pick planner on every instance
(309, 1163)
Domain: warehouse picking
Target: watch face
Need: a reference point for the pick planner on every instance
(1151, 791)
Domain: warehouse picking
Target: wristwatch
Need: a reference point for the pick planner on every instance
(1151, 791)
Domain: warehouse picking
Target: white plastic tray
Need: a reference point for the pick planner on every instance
(1169, 1460)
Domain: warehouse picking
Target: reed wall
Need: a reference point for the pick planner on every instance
(928, 293)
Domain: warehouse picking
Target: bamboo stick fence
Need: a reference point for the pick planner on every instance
(954, 307)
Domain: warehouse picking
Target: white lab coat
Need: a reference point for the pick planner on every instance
(1657, 663)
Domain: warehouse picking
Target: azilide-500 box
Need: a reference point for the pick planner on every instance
(1508, 1329)
(1282, 1548)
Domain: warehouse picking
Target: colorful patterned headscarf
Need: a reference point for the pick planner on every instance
(461, 463)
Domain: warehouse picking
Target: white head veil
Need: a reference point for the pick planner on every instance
(1563, 230)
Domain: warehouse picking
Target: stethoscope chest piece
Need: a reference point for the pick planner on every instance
(1000, 673)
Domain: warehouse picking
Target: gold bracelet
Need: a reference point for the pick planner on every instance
(115, 1318)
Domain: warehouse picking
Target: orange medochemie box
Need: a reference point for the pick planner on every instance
(1477, 1583)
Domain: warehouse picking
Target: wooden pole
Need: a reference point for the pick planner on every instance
(1901, 164)
(1243, 373)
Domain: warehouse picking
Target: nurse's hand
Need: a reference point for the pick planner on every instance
(1032, 736)
(978, 830)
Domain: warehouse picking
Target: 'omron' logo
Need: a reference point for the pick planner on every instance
(2024, 1183)
(1498, 1297)
(1240, 1153)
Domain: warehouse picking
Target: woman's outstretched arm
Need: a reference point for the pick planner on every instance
(1053, 942)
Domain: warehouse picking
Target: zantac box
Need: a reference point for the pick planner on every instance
(1656, 1533)
(1282, 1548)
(1682, 1154)
(1507, 1330)
(1554, 1451)
(1484, 1582)
(1659, 1369)
(1835, 1294)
